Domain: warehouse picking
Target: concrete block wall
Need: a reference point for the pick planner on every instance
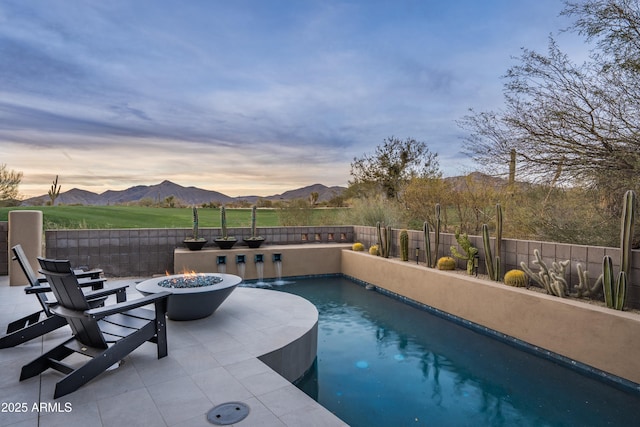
(145, 252)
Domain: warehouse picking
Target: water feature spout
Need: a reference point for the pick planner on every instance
(240, 264)
(259, 260)
(277, 264)
(221, 261)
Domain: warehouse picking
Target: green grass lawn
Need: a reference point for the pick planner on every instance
(102, 217)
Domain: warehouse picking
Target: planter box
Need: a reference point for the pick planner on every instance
(603, 338)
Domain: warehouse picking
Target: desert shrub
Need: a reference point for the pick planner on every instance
(371, 210)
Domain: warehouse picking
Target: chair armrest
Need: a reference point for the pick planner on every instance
(92, 274)
(98, 313)
(89, 294)
(105, 292)
(84, 283)
(37, 289)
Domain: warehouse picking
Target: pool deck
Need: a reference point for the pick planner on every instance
(211, 361)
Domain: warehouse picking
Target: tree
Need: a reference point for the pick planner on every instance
(572, 123)
(420, 197)
(313, 198)
(393, 164)
(9, 182)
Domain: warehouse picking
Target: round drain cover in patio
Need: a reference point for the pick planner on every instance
(228, 413)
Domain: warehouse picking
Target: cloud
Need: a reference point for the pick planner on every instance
(246, 93)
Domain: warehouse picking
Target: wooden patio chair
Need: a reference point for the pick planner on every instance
(43, 321)
(104, 334)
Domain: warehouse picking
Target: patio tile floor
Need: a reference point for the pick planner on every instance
(211, 361)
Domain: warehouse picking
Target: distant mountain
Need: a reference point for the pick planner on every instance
(324, 193)
(159, 192)
(188, 195)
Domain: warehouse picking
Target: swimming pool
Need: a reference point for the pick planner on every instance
(382, 362)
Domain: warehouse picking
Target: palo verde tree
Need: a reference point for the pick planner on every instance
(393, 164)
(9, 182)
(576, 123)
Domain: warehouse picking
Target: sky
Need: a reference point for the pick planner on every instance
(248, 97)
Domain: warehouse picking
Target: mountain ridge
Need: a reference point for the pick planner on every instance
(188, 195)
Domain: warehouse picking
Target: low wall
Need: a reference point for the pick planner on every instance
(296, 260)
(149, 251)
(146, 252)
(596, 336)
(516, 251)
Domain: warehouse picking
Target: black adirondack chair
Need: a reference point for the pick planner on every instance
(43, 321)
(34, 280)
(104, 334)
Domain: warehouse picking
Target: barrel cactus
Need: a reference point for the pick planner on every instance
(446, 263)
(358, 247)
(373, 250)
(515, 278)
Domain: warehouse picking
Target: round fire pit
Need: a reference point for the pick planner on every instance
(193, 296)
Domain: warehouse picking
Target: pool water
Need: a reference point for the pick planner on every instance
(382, 362)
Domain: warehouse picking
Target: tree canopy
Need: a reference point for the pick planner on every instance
(569, 122)
(393, 164)
(9, 182)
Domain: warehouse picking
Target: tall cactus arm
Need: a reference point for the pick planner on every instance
(437, 235)
(427, 244)
(583, 288)
(626, 233)
(488, 257)
(498, 246)
(621, 291)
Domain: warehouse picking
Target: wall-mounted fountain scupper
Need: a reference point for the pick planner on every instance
(221, 262)
(241, 265)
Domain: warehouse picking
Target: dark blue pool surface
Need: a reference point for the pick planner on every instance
(382, 362)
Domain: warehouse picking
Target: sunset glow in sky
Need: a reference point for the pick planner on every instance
(247, 97)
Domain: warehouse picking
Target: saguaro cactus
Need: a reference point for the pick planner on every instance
(626, 232)
(437, 233)
(427, 244)
(404, 245)
(615, 293)
(384, 240)
(223, 222)
(493, 264)
(194, 213)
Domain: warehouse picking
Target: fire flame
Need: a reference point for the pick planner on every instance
(186, 273)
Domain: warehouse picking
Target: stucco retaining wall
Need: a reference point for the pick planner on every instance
(596, 336)
(297, 260)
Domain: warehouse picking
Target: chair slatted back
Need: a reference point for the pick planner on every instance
(64, 285)
(25, 265)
